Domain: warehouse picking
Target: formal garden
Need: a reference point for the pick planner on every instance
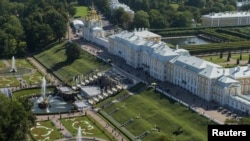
(25, 72)
(228, 61)
(149, 115)
(45, 131)
(31, 92)
(89, 127)
(48, 130)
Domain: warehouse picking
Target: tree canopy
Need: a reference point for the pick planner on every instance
(73, 51)
(16, 119)
(141, 19)
(168, 13)
(30, 25)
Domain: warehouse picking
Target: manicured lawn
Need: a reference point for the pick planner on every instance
(35, 78)
(228, 64)
(81, 11)
(8, 81)
(88, 128)
(112, 97)
(45, 131)
(55, 60)
(2, 65)
(215, 59)
(156, 110)
(137, 87)
(245, 56)
(22, 63)
(24, 69)
(30, 92)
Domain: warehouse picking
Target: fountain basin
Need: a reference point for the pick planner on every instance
(186, 40)
(54, 105)
(21, 72)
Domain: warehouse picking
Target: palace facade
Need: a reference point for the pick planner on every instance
(232, 18)
(145, 50)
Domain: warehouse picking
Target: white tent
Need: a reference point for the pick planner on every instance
(78, 24)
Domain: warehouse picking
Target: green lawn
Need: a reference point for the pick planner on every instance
(45, 131)
(81, 11)
(2, 65)
(30, 74)
(8, 81)
(30, 92)
(34, 78)
(55, 60)
(89, 128)
(245, 56)
(228, 64)
(137, 87)
(156, 109)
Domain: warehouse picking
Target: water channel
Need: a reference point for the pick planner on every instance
(185, 40)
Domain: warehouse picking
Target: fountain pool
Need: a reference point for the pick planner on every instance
(14, 71)
(49, 103)
(190, 40)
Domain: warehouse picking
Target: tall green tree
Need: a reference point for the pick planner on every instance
(196, 3)
(15, 119)
(184, 19)
(121, 18)
(141, 19)
(221, 54)
(157, 20)
(238, 61)
(73, 51)
(57, 22)
(11, 34)
(229, 8)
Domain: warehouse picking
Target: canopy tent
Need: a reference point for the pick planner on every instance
(78, 24)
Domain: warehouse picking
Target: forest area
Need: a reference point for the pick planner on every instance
(27, 26)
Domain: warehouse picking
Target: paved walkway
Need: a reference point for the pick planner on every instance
(50, 76)
(6, 63)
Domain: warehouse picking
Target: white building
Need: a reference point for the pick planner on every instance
(93, 29)
(78, 24)
(211, 82)
(144, 49)
(232, 18)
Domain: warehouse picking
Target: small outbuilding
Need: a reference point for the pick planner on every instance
(65, 92)
(78, 24)
(90, 91)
